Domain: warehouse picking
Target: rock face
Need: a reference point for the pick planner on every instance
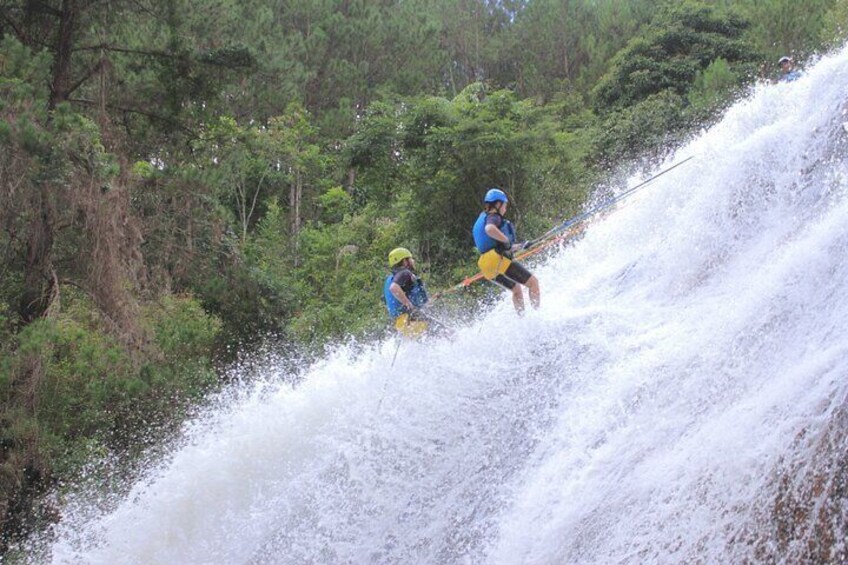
(807, 520)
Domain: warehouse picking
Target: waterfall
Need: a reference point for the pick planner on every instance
(679, 397)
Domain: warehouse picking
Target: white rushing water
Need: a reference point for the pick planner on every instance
(665, 405)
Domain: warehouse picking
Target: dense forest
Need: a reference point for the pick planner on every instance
(183, 181)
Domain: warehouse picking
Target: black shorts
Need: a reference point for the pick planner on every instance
(515, 273)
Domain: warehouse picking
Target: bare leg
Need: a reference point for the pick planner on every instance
(533, 286)
(518, 298)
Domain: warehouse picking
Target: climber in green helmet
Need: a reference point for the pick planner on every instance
(404, 294)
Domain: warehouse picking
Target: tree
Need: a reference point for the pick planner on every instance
(681, 40)
(644, 95)
(781, 27)
(556, 46)
(293, 139)
(239, 161)
(835, 24)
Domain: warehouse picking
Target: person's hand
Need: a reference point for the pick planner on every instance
(410, 309)
(519, 246)
(416, 314)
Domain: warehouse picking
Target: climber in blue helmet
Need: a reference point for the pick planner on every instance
(494, 237)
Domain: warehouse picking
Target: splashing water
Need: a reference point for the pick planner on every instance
(680, 396)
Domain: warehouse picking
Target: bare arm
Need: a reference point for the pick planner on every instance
(493, 232)
(398, 293)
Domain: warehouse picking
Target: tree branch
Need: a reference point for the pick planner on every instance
(134, 111)
(88, 74)
(44, 8)
(12, 24)
(116, 49)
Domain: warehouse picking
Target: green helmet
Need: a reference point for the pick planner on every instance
(398, 255)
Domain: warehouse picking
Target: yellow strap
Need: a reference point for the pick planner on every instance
(492, 264)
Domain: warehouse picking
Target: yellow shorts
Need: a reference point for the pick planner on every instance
(492, 264)
(410, 328)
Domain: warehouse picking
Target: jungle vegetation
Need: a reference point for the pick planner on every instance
(183, 180)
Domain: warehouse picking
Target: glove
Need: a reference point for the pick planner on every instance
(413, 312)
(502, 246)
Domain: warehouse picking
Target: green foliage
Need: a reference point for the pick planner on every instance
(84, 384)
(713, 85)
(561, 46)
(23, 76)
(66, 385)
(23, 97)
(339, 279)
(230, 57)
(374, 150)
(73, 381)
(645, 94)
(266, 180)
(681, 40)
(652, 123)
(237, 160)
(834, 30)
(781, 27)
(185, 334)
(183, 330)
(80, 140)
(488, 143)
(75, 373)
(269, 263)
(144, 170)
(560, 177)
(240, 299)
(334, 204)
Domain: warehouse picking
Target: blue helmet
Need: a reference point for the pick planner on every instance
(495, 195)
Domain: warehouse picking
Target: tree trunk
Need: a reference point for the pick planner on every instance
(351, 179)
(61, 79)
(296, 196)
(566, 70)
(36, 295)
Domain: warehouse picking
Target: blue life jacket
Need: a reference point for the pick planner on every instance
(483, 241)
(791, 76)
(418, 296)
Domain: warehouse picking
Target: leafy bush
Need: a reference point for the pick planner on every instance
(682, 40)
(67, 386)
